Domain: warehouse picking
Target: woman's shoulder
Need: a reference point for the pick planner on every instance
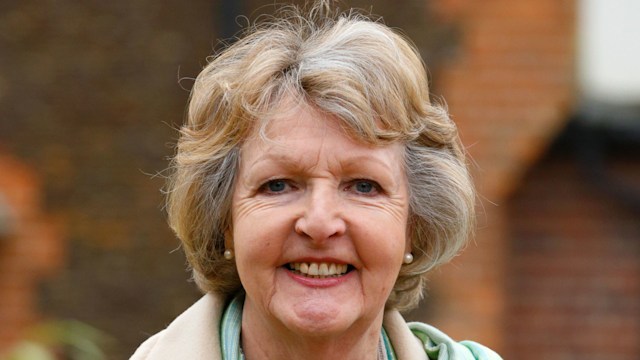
(440, 346)
(142, 352)
(192, 335)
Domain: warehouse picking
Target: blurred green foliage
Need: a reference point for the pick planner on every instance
(61, 339)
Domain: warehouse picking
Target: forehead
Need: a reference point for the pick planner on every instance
(301, 130)
(294, 111)
(297, 117)
(300, 119)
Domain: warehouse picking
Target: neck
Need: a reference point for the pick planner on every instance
(265, 338)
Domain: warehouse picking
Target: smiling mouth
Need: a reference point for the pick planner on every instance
(319, 270)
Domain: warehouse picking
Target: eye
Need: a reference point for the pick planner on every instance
(365, 187)
(275, 186)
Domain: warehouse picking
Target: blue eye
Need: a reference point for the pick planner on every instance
(364, 186)
(276, 185)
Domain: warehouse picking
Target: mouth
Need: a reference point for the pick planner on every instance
(321, 270)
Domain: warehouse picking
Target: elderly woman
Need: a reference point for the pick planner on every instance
(314, 186)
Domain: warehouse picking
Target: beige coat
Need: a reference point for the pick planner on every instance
(194, 335)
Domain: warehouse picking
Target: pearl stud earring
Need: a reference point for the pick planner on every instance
(228, 254)
(408, 258)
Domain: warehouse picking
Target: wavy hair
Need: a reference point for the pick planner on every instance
(347, 65)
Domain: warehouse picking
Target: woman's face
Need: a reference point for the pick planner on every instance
(319, 225)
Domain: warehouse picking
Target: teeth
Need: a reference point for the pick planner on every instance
(319, 269)
(313, 269)
(323, 270)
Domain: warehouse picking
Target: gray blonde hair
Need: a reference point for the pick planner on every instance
(343, 64)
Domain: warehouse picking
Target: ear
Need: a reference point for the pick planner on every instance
(228, 239)
(408, 247)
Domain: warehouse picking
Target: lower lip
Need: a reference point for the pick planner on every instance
(317, 282)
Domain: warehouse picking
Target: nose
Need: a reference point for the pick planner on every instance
(322, 218)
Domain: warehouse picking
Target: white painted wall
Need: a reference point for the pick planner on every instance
(609, 51)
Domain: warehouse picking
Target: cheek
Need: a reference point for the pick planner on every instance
(386, 232)
(250, 242)
(255, 258)
(254, 240)
(382, 248)
(383, 260)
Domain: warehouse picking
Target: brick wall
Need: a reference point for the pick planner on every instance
(574, 264)
(90, 95)
(510, 89)
(31, 248)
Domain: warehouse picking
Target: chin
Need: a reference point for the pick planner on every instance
(318, 318)
(319, 326)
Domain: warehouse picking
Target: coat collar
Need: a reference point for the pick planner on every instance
(195, 335)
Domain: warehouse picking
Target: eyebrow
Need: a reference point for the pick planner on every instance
(277, 157)
(352, 163)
